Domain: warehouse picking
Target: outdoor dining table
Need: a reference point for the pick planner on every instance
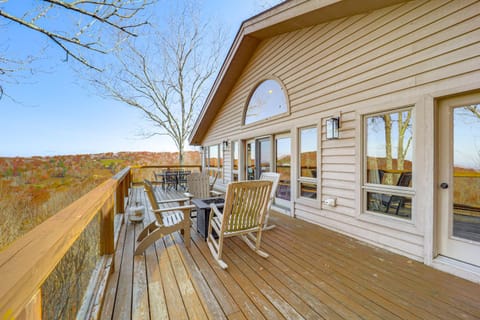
(172, 178)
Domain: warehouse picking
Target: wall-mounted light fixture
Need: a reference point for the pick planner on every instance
(225, 144)
(201, 148)
(332, 128)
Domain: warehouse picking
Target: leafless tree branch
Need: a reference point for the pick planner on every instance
(92, 17)
(167, 79)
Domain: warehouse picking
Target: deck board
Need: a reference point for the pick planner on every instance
(312, 273)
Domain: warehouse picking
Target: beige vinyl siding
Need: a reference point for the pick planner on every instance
(392, 57)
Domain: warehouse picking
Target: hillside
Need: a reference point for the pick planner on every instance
(33, 189)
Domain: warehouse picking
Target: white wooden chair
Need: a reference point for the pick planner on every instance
(167, 220)
(244, 212)
(275, 178)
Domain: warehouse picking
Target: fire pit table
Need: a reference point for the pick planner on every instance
(203, 213)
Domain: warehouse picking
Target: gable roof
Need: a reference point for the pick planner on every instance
(285, 17)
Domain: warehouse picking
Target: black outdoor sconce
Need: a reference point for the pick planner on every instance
(225, 144)
(333, 124)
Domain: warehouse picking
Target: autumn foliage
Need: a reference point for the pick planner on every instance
(33, 189)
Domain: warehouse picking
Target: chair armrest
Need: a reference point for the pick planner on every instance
(180, 200)
(216, 211)
(179, 208)
(215, 193)
(189, 195)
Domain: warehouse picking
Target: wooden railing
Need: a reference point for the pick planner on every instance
(26, 264)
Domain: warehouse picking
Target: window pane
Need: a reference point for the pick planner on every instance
(235, 154)
(265, 155)
(308, 190)
(389, 148)
(283, 159)
(251, 161)
(267, 101)
(308, 152)
(466, 172)
(220, 159)
(213, 153)
(400, 206)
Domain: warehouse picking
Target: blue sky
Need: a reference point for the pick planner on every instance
(54, 114)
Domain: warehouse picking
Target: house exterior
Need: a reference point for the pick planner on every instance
(369, 110)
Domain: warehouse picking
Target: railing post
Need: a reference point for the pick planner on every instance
(120, 197)
(33, 310)
(107, 236)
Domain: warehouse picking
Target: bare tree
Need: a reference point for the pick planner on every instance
(73, 26)
(474, 109)
(167, 78)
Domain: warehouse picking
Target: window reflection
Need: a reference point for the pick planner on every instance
(389, 151)
(251, 161)
(466, 172)
(389, 162)
(308, 152)
(267, 101)
(265, 155)
(308, 162)
(235, 156)
(213, 156)
(283, 159)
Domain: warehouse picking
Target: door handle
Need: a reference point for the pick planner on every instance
(444, 185)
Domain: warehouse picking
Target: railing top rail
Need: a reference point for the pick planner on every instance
(26, 264)
(122, 174)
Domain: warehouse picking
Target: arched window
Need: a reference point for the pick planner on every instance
(267, 101)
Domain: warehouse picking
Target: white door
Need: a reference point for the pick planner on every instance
(459, 178)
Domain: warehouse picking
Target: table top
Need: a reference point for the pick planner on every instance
(205, 203)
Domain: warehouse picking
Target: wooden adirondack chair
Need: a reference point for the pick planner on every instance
(167, 220)
(198, 186)
(244, 212)
(275, 178)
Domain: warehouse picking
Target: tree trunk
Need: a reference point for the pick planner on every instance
(388, 147)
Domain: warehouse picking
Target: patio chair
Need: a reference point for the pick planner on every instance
(275, 178)
(167, 220)
(244, 212)
(397, 202)
(212, 183)
(198, 186)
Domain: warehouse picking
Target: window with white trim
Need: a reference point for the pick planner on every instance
(267, 101)
(388, 163)
(214, 160)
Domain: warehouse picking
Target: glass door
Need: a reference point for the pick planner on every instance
(459, 178)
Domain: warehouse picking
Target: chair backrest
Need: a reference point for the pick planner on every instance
(212, 183)
(275, 178)
(198, 184)
(404, 179)
(150, 194)
(245, 205)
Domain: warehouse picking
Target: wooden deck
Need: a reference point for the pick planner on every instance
(312, 273)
